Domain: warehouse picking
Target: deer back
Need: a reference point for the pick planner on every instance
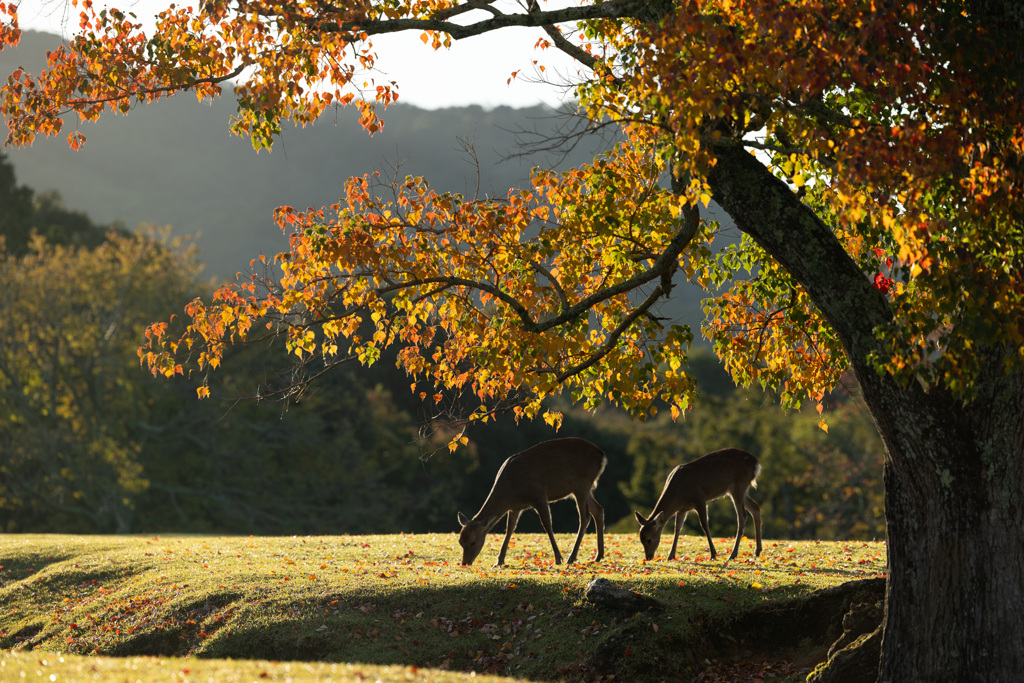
(708, 477)
(549, 471)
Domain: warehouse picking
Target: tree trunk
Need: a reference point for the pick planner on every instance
(954, 483)
(954, 472)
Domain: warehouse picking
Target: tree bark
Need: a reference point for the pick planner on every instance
(954, 472)
(954, 483)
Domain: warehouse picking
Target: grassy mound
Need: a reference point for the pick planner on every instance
(401, 602)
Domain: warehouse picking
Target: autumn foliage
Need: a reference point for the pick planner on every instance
(482, 295)
(908, 155)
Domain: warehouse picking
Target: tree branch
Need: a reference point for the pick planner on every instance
(575, 51)
(771, 213)
(554, 283)
(469, 6)
(613, 9)
(613, 338)
(664, 268)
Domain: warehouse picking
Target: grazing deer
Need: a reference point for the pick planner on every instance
(728, 472)
(544, 473)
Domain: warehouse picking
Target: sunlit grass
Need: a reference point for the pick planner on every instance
(59, 667)
(401, 601)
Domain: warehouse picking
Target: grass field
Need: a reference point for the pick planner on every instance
(395, 607)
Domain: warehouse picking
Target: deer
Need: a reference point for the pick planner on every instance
(550, 471)
(726, 472)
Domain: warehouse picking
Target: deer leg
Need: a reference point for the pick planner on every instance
(680, 518)
(702, 516)
(544, 512)
(741, 520)
(583, 507)
(510, 526)
(755, 512)
(598, 514)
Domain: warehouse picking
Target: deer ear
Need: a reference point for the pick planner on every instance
(640, 518)
(463, 520)
(658, 518)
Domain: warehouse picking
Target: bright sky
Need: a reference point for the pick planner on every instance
(474, 71)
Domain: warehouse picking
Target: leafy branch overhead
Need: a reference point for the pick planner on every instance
(499, 296)
(898, 168)
(288, 62)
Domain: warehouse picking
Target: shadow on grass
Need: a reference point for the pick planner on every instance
(18, 566)
(532, 629)
(37, 593)
(539, 629)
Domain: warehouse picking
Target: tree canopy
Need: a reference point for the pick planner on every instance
(907, 157)
(869, 150)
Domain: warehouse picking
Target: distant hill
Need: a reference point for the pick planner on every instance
(175, 162)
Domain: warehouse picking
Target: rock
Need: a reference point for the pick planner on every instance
(604, 593)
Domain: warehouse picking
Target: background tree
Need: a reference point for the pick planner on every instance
(17, 202)
(70, 318)
(26, 213)
(881, 202)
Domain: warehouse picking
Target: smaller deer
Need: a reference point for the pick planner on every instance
(544, 473)
(727, 472)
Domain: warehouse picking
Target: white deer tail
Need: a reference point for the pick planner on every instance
(757, 471)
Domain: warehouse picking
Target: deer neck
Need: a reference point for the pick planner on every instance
(490, 512)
